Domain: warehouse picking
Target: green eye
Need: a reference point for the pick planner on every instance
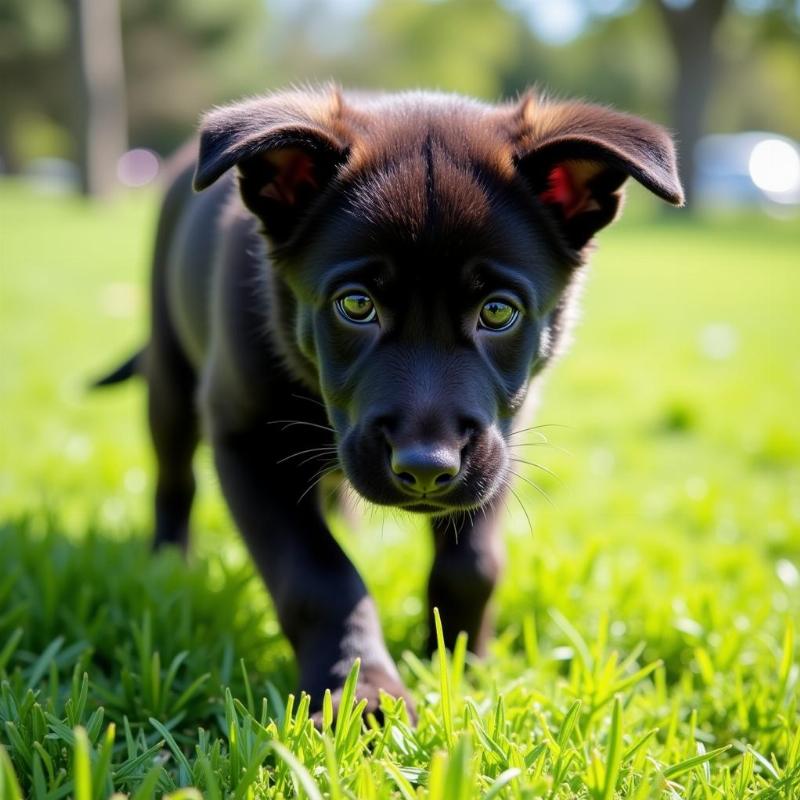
(497, 315)
(357, 308)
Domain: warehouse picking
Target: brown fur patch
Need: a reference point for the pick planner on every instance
(410, 157)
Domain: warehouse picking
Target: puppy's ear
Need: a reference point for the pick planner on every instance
(286, 148)
(577, 156)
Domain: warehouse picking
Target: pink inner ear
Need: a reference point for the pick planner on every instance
(294, 168)
(567, 189)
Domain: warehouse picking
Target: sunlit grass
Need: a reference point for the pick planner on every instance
(646, 643)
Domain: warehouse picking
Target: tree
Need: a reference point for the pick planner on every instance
(690, 28)
(60, 58)
(33, 74)
(100, 124)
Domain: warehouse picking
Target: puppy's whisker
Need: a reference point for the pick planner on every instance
(325, 449)
(542, 438)
(335, 489)
(549, 445)
(317, 478)
(536, 486)
(310, 487)
(310, 400)
(538, 466)
(290, 423)
(332, 463)
(539, 427)
(315, 456)
(503, 495)
(521, 505)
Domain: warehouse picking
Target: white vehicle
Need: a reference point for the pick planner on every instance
(755, 168)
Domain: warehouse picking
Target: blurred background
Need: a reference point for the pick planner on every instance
(671, 452)
(95, 92)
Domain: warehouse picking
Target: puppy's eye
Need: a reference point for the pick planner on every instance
(357, 307)
(498, 315)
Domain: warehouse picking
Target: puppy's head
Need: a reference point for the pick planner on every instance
(429, 244)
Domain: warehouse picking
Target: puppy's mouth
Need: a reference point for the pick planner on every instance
(366, 466)
(426, 508)
(466, 499)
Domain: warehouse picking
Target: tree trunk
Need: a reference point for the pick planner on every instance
(8, 159)
(690, 31)
(99, 93)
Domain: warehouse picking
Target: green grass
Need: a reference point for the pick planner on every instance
(646, 643)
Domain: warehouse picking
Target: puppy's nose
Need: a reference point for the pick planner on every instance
(425, 469)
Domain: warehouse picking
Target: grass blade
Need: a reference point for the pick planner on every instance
(9, 785)
(614, 752)
(82, 770)
(565, 731)
(346, 703)
(172, 744)
(403, 785)
(43, 662)
(501, 781)
(670, 773)
(300, 775)
(444, 683)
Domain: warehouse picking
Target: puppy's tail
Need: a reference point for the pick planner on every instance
(121, 373)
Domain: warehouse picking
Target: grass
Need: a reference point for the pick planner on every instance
(646, 643)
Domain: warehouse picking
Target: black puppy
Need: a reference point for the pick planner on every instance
(377, 289)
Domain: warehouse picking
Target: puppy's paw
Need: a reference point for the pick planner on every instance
(371, 683)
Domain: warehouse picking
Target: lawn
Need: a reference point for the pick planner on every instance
(646, 643)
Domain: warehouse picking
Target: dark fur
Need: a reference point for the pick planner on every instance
(431, 204)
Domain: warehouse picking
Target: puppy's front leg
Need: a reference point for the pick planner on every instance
(467, 564)
(322, 603)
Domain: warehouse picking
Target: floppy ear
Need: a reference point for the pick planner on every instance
(576, 157)
(286, 147)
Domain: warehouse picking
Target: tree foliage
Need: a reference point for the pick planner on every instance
(185, 55)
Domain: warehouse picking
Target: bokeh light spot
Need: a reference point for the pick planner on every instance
(137, 167)
(775, 166)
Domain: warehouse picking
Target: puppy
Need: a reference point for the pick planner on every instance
(372, 284)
